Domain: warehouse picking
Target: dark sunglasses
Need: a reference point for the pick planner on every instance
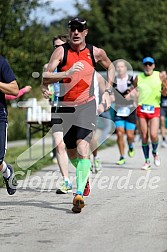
(55, 46)
(78, 28)
(148, 63)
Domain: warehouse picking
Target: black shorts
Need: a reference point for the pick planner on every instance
(75, 122)
(163, 111)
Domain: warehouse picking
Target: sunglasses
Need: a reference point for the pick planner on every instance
(78, 28)
(55, 46)
(148, 63)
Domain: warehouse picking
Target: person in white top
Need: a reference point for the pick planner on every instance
(125, 115)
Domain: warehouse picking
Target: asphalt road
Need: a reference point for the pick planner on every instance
(125, 212)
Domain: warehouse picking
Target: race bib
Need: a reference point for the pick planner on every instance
(147, 109)
(123, 111)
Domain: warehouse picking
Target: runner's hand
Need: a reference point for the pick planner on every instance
(106, 100)
(77, 67)
(46, 93)
(28, 89)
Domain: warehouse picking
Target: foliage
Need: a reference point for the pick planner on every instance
(27, 45)
(23, 41)
(125, 29)
(16, 124)
(129, 29)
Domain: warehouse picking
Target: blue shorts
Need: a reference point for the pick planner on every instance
(125, 124)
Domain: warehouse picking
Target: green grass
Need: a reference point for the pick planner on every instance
(14, 152)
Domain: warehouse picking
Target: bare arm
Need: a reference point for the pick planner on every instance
(9, 88)
(49, 76)
(105, 62)
(101, 82)
(54, 77)
(22, 91)
(133, 94)
(135, 82)
(48, 72)
(164, 84)
(102, 86)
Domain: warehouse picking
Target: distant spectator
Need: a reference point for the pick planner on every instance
(163, 114)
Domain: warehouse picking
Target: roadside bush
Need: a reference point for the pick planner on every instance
(16, 123)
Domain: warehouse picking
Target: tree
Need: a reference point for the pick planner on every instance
(23, 41)
(26, 45)
(129, 29)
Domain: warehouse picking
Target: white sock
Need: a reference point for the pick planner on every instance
(5, 170)
(96, 158)
(66, 180)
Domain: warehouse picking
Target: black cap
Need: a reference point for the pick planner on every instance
(78, 20)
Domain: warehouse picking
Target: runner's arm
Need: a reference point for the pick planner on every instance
(49, 76)
(9, 88)
(22, 91)
(164, 85)
(133, 94)
(105, 62)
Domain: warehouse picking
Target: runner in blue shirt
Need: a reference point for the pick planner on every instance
(8, 85)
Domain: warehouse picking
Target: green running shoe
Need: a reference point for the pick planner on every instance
(121, 161)
(131, 152)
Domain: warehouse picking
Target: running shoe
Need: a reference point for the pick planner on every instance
(65, 187)
(121, 161)
(157, 160)
(131, 152)
(54, 160)
(146, 166)
(164, 144)
(11, 182)
(97, 165)
(78, 203)
(91, 168)
(87, 189)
